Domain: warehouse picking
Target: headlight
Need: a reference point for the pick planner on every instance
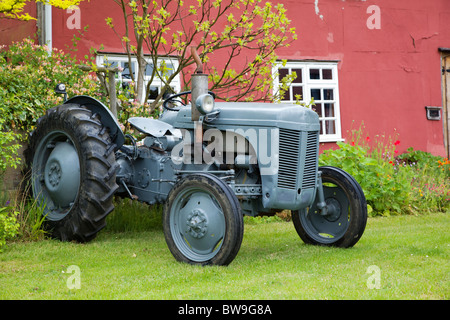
(60, 88)
(205, 103)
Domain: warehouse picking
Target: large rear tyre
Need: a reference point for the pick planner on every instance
(346, 217)
(202, 221)
(73, 172)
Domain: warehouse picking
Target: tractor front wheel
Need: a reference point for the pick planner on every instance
(202, 221)
(343, 224)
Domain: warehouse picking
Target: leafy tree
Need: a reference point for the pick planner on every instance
(245, 32)
(14, 9)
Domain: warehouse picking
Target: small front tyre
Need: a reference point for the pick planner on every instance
(345, 220)
(202, 221)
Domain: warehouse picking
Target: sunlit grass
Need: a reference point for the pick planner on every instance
(411, 252)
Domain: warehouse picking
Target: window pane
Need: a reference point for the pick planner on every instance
(297, 91)
(299, 75)
(314, 74)
(315, 93)
(329, 109)
(282, 73)
(154, 91)
(327, 74)
(285, 96)
(149, 69)
(318, 109)
(330, 127)
(328, 94)
(110, 64)
(170, 68)
(126, 70)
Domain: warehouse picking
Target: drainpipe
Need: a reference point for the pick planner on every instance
(48, 26)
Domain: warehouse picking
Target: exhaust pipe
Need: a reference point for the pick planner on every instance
(198, 88)
(199, 84)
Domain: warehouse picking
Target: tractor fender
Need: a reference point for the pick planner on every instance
(106, 117)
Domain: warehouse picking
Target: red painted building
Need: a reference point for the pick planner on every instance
(381, 62)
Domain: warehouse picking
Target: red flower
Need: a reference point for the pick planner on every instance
(368, 139)
(353, 143)
(396, 143)
(391, 162)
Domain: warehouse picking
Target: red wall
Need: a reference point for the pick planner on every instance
(12, 30)
(387, 75)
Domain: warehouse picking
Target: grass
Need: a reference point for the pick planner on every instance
(411, 252)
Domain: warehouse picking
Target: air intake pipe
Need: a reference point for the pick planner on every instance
(199, 85)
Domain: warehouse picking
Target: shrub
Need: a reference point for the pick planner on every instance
(392, 183)
(430, 179)
(8, 225)
(28, 77)
(423, 160)
(9, 147)
(383, 192)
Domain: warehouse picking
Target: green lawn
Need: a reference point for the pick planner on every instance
(410, 255)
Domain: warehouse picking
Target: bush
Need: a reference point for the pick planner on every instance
(383, 192)
(9, 147)
(430, 179)
(8, 225)
(28, 77)
(425, 160)
(392, 183)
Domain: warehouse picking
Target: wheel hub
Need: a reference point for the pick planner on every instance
(54, 174)
(197, 224)
(334, 209)
(62, 174)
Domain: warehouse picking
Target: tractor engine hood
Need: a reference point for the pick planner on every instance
(251, 114)
(279, 155)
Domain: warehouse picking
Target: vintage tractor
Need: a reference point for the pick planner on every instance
(209, 163)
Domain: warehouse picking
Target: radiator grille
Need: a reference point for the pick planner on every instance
(289, 158)
(309, 174)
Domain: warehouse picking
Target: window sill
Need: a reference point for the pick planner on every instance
(330, 139)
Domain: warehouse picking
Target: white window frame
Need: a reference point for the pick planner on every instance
(103, 59)
(308, 84)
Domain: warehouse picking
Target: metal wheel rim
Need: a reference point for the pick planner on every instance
(330, 228)
(56, 175)
(197, 224)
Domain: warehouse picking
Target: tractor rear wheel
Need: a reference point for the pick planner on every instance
(345, 220)
(202, 221)
(73, 172)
